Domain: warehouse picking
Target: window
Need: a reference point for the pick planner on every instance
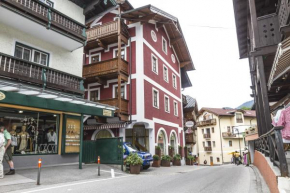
(154, 64)
(202, 131)
(213, 143)
(122, 91)
(155, 98)
(218, 159)
(30, 54)
(95, 95)
(212, 129)
(230, 143)
(174, 81)
(229, 129)
(164, 45)
(165, 73)
(175, 108)
(123, 53)
(166, 104)
(95, 58)
(239, 118)
(47, 2)
(203, 144)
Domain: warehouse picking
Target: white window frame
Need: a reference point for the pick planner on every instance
(164, 49)
(174, 81)
(92, 55)
(153, 89)
(94, 89)
(153, 56)
(175, 110)
(33, 52)
(168, 104)
(164, 66)
(236, 117)
(125, 90)
(125, 52)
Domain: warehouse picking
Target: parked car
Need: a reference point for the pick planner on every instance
(146, 157)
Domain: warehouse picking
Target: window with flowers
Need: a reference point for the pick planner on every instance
(31, 132)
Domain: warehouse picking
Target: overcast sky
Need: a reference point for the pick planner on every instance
(221, 79)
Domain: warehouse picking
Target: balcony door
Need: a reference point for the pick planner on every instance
(123, 92)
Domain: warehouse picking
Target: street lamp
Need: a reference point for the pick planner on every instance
(237, 130)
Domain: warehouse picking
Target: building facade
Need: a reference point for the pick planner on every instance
(221, 132)
(139, 64)
(41, 84)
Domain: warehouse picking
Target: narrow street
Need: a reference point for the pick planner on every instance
(226, 179)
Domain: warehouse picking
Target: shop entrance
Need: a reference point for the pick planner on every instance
(138, 137)
(162, 142)
(211, 160)
(110, 151)
(173, 142)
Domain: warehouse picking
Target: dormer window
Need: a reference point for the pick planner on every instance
(239, 118)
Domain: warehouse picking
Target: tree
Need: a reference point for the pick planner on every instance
(246, 108)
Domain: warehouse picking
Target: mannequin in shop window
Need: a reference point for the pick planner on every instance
(51, 140)
(23, 138)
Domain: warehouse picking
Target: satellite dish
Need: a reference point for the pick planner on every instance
(189, 124)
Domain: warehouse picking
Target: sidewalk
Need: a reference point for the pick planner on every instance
(24, 179)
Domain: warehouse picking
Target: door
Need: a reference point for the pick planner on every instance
(211, 160)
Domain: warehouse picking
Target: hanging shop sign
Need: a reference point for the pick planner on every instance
(2, 96)
(189, 124)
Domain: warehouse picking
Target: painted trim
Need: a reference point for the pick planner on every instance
(168, 104)
(153, 89)
(125, 52)
(153, 56)
(165, 76)
(125, 90)
(97, 131)
(94, 89)
(177, 140)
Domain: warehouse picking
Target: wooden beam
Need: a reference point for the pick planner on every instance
(254, 23)
(159, 25)
(182, 64)
(175, 40)
(101, 80)
(264, 51)
(102, 44)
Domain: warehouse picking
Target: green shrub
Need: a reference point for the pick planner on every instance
(177, 157)
(179, 147)
(171, 147)
(157, 147)
(134, 159)
(190, 157)
(166, 158)
(156, 157)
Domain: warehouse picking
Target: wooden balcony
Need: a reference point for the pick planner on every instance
(36, 74)
(124, 109)
(208, 149)
(206, 123)
(48, 17)
(268, 29)
(103, 35)
(228, 135)
(105, 70)
(190, 138)
(206, 135)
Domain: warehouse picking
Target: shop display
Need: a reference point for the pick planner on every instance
(14, 140)
(72, 135)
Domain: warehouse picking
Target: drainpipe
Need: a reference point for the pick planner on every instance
(130, 80)
(221, 141)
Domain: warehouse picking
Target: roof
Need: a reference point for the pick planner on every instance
(191, 102)
(172, 27)
(185, 81)
(227, 112)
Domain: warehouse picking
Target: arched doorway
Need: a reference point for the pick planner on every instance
(161, 141)
(173, 142)
(104, 133)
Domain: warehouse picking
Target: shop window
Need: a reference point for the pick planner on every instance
(212, 129)
(154, 64)
(162, 142)
(218, 159)
(230, 143)
(32, 132)
(31, 54)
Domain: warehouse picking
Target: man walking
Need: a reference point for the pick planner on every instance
(8, 150)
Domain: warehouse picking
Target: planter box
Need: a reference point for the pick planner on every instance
(156, 163)
(165, 163)
(189, 162)
(180, 151)
(158, 152)
(176, 162)
(135, 169)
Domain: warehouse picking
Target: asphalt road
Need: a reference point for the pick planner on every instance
(201, 179)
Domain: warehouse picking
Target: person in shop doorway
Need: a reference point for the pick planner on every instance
(2, 151)
(8, 149)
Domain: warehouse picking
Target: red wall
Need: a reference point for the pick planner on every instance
(160, 113)
(168, 129)
(107, 18)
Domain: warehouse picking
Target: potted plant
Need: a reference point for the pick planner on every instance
(176, 160)
(165, 161)
(180, 150)
(135, 162)
(158, 151)
(156, 161)
(189, 160)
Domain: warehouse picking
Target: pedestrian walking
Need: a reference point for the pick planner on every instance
(8, 149)
(2, 151)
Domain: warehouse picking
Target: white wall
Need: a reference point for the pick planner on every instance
(60, 59)
(70, 9)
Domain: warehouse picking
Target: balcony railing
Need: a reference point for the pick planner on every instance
(268, 27)
(229, 135)
(206, 122)
(207, 148)
(106, 30)
(48, 16)
(190, 138)
(32, 73)
(206, 135)
(105, 68)
(283, 13)
(114, 102)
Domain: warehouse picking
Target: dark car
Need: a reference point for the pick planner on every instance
(146, 157)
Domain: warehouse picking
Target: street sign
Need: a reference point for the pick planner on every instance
(189, 124)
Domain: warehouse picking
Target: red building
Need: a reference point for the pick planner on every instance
(144, 82)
